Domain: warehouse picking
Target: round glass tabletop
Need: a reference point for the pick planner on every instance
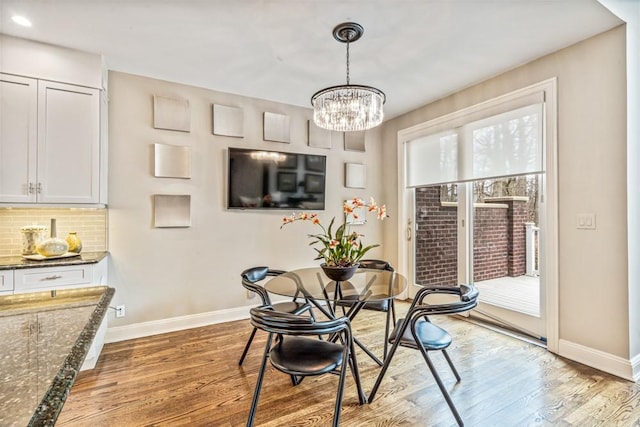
(365, 285)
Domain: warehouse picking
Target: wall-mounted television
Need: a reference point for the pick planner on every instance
(261, 179)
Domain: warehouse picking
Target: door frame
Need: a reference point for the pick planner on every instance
(548, 196)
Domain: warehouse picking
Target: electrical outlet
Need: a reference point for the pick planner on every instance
(120, 311)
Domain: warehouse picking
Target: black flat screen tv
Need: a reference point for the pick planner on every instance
(260, 179)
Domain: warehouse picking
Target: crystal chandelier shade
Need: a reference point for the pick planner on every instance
(348, 107)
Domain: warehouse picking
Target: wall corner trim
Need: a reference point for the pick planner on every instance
(628, 369)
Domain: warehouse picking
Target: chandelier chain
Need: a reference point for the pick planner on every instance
(347, 62)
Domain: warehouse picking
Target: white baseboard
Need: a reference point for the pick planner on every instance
(144, 329)
(635, 367)
(615, 365)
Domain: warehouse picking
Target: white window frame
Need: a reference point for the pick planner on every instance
(549, 194)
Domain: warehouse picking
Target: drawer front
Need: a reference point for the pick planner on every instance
(6, 281)
(52, 278)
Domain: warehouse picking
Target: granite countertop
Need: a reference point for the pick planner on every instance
(46, 338)
(14, 262)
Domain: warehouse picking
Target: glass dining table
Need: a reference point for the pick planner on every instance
(326, 294)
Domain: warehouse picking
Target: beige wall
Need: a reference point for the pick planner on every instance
(591, 77)
(161, 273)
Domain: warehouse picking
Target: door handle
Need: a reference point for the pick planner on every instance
(409, 231)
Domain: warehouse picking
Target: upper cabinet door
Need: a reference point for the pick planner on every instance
(68, 143)
(18, 138)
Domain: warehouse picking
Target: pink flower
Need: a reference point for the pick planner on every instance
(348, 248)
(288, 219)
(382, 212)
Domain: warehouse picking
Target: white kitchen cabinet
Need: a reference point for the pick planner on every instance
(6, 282)
(65, 277)
(38, 279)
(18, 138)
(49, 142)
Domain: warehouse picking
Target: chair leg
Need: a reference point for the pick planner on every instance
(256, 393)
(386, 331)
(453, 368)
(362, 398)
(296, 380)
(385, 366)
(393, 310)
(444, 391)
(246, 347)
(343, 375)
(387, 327)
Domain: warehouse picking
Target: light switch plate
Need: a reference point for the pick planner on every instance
(586, 221)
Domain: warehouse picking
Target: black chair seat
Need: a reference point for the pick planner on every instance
(432, 337)
(302, 356)
(380, 305)
(297, 354)
(293, 307)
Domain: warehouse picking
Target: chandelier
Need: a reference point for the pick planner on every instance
(348, 107)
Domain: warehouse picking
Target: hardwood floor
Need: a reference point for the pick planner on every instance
(191, 378)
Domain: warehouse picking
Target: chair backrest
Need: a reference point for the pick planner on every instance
(468, 300)
(376, 264)
(265, 318)
(251, 276)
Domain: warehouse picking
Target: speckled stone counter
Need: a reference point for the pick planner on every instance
(15, 262)
(44, 338)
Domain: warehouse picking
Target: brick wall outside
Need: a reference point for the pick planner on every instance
(518, 248)
(436, 239)
(490, 242)
(499, 238)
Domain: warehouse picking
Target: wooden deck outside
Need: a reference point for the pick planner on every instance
(521, 294)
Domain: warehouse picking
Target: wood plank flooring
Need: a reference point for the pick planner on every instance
(191, 378)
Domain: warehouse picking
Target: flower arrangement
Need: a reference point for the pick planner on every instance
(344, 247)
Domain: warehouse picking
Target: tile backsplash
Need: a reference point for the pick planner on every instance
(90, 224)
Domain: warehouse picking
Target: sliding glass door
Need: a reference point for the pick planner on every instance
(488, 233)
(474, 197)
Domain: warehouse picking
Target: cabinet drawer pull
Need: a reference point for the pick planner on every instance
(54, 277)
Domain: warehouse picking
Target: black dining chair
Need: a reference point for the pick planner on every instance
(299, 356)
(250, 279)
(417, 332)
(384, 305)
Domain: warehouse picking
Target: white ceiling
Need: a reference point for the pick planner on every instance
(416, 51)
